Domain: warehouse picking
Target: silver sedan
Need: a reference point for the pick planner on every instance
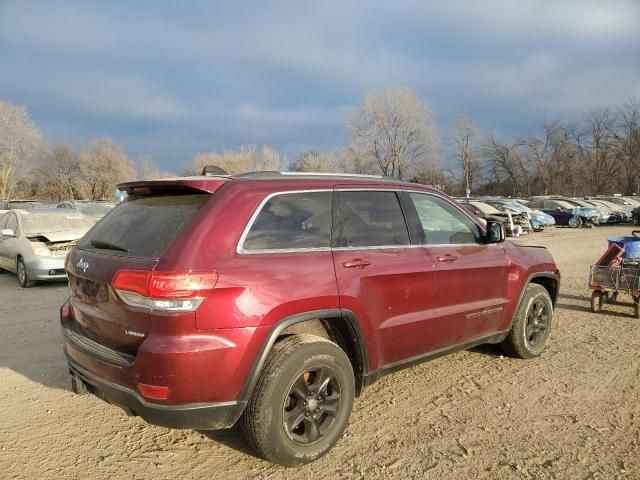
(35, 243)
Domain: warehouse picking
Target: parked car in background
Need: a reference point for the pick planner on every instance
(635, 215)
(271, 300)
(34, 243)
(597, 212)
(95, 209)
(606, 214)
(565, 213)
(488, 213)
(519, 214)
(588, 212)
(622, 213)
(615, 215)
(19, 204)
(537, 216)
(621, 203)
(628, 202)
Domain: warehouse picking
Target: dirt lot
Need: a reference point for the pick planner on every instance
(574, 413)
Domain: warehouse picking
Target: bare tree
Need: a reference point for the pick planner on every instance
(539, 150)
(629, 143)
(247, 159)
(314, 161)
(19, 139)
(468, 151)
(507, 166)
(595, 143)
(396, 129)
(146, 169)
(104, 164)
(59, 173)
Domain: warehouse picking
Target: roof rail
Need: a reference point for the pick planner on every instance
(272, 173)
(260, 174)
(328, 174)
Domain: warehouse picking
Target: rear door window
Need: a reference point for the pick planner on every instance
(299, 220)
(372, 219)
(143, 227)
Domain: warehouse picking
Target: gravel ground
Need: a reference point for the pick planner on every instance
(573, 413)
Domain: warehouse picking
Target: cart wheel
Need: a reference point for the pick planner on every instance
(596, 302)
(612, 297)
(636, 307)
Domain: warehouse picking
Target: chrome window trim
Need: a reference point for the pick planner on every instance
(240, 247)
(242, 251)
(376, 247)
(461, 210)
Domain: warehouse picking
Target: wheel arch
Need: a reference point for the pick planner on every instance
(339, 325)
(550, 281)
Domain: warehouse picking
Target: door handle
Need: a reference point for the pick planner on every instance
(447, 258)
(356, 263)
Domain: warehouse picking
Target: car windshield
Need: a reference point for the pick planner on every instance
(485, 208)
(516, 206)
(609, 204)
(95, 209)
(54, 222)
(564, 204)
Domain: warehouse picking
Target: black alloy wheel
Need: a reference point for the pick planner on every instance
(537, 323)
(312, 405)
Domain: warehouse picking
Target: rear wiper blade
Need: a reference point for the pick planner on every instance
(108, 245)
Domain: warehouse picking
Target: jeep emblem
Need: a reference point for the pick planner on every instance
(82, 265)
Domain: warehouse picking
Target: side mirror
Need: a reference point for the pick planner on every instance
(7, 232)
(495, 232)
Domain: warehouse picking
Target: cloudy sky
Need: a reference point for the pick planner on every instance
(173, 80)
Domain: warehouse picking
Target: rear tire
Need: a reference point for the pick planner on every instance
(302, 402)
(531, 327)
(636, 219)
(23, 275)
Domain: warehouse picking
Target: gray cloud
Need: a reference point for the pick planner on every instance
(174, 81)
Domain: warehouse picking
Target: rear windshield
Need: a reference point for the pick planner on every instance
(143, 227)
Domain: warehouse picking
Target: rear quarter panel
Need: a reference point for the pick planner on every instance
(253, 290)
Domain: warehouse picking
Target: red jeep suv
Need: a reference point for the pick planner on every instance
(272, 299)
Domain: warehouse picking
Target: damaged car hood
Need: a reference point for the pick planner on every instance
(66, 236)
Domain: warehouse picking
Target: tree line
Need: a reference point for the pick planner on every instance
(392, 132)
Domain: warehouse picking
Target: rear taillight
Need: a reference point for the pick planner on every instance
(163, 291)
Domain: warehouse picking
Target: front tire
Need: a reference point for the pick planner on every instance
(531, 327)
(302, 402)
(575, 222)
(23, 275)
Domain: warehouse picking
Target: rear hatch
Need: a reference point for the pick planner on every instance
(133, 236)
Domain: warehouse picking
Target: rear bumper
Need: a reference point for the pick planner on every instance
(199, 416)
(205, 372)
